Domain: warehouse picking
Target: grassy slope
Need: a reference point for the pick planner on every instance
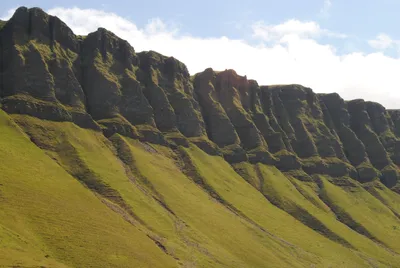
(358, 208)
(385, 195)
(302, 196)
(222, 178)
(162, 202)
(48, 218)
(192, 232)
(93, 155)
(226, 238)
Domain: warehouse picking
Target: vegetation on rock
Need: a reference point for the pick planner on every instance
(112, 158)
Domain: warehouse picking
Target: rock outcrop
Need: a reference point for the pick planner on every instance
(170, 92)
(98, 81)
(38, 52)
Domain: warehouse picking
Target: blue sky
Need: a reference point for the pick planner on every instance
(363, 19)
(350, 47)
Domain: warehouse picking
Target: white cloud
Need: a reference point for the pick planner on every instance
(324, 11)
(295, 57)
(383, 41)
(290, 27)
(308, 29)
(8, 14)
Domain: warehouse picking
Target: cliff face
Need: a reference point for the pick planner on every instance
(100, 82)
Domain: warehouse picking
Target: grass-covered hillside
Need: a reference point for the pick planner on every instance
(72, 198)
(112, 158)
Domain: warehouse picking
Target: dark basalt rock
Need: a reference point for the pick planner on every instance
(84, 120)
(219, 128)
(384, 127)
(37, 75)
(273, 139)
(362, 126)
(152, 135)
(390, 176)
(99, 82)
(395, 116)
(286, 161)
(133, 104)
(177, 139)
(335, 141)
(118, 125)
(331, 167)
(206, 145)
(380, 119)
(353, 148)
(261, 156)
(108, 75)
(39, 109)
(26, 72)
(396, 154)
(175, 106)
(311, 136)
(233, 94)
(268, 109)
(234, 154)
(367, 173)
(38, 51)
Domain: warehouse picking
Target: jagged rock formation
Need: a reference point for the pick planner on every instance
(100, 82)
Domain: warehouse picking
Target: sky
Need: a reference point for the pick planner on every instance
(351, 47)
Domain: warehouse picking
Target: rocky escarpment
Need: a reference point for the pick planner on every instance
(366, 130)
(37, 73)
(98, 81)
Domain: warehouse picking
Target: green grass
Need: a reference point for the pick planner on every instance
(301, 200)
(49, 219)
(386, 196)
(254, 206)
(105, 65)
(86, 201)
(364, 213)
(90, 157)
(247, 172)
(191, 232)
(48, 53)
(207, 219)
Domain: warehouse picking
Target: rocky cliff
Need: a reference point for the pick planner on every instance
(99, 82)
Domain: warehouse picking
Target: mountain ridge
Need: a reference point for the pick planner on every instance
(206, 170)
(100, 82)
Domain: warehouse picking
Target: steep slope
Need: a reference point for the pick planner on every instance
(49, 219)
(151, 192)
(151, 201)
(112, 158)
(297, 198)
(99, 82)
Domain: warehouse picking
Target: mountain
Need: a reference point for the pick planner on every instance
(112, 158)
